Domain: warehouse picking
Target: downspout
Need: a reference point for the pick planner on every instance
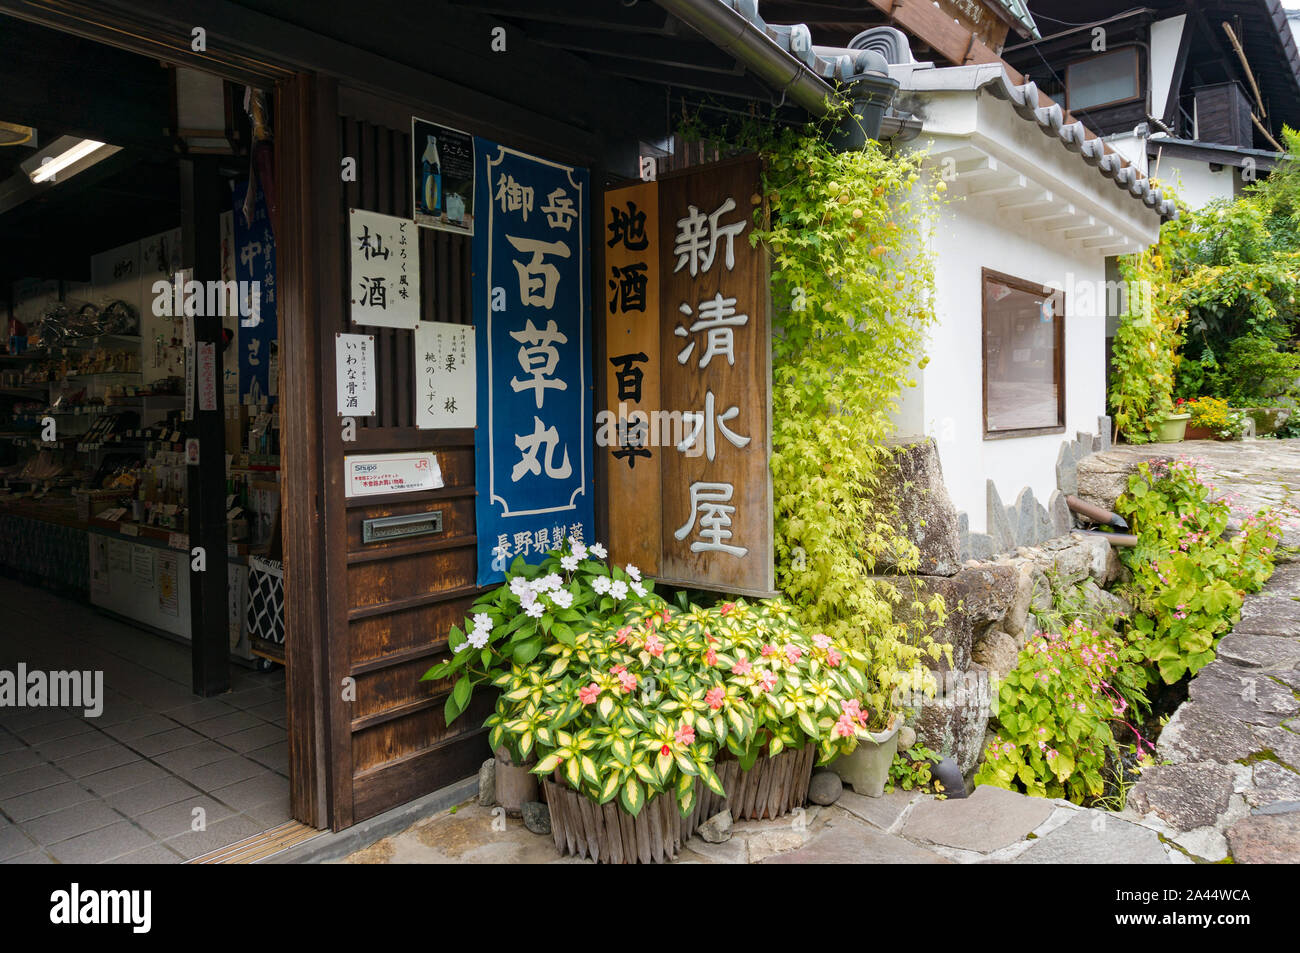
(730, 31)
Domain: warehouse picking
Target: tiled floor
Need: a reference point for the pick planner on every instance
(127, 786)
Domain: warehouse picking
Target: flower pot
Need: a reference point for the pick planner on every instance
(1173, 428)
(610, 835)
(1199, 433)
(866, 768)
(771, 788)
(515, 783)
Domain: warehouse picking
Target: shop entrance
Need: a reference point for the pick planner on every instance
(142, 664)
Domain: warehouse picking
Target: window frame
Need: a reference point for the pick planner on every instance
(988, 276)
(1137, 79)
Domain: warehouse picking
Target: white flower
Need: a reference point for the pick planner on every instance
(478, 638)
(638, 589)
(633, 572)
(519, 585)
(527, 597)
(549, 583)
(601, 584)
(579, 550)
(569, 563)
(598, 551)
(619, 590)
(463, 646)
(483, 621)
(562, 598)
(536, 610)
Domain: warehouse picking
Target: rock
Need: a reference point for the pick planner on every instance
(906, 737)
(1185, 796)
(997, 652)
(716, 829)
(1103, 477)
(989, 819)
(1270, 615)
(1259, 651)
(537, 817)
(1067, 473)
(1071, 561)
(1101, 552)
(1094, 837)
(1243, 695)
(1266, 839)
(1000, 528)
(1062, 519)
(1197, 732)
(487, 773)
(914, 483)
(852, 842)
(1272, 783)
(825, 788)
(983, 594)
(1026, 523)
(1204, 843)
(949, 775)
(953, 724)
(1105, 430)
(979, 547)
(1102, 604)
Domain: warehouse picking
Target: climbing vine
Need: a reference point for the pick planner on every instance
(852, 290)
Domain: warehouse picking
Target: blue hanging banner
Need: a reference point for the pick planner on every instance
(533, 445)
(255, 262)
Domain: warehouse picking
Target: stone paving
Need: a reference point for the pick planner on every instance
(1228, 785)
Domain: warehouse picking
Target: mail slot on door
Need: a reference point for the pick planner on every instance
(383, 528)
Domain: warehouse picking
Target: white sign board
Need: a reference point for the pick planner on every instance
(354, 365)
(445, 385)
(385, 274)
(379, 473)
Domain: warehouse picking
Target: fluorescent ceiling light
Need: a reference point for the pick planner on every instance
(51, 166)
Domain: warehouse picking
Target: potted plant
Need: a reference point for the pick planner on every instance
(1212, 419)
(1172, 428)
(866, 768)
(645, 727)
(511, 624)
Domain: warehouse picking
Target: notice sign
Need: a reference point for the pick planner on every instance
(385, 270)
(630, 248)
(444, 376)
(354, 366)
(375, 474)
(533, 448)
(442, 177)
(207, 374)
(717, 372)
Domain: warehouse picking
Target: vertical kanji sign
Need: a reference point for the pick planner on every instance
(630, 250)
(385, 270)
(533, 444)
(717, 371)
(255, 262)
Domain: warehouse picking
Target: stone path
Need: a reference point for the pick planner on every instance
(1228, 784)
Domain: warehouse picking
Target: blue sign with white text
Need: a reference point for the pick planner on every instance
(533, 445)
(255, 262)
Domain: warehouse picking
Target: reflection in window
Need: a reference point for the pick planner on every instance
(1103, 80)
(1023, 343)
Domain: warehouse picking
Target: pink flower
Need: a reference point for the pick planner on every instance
(589, 694)
(714, 697)
(618, 670)
(665, 750)
(768, 650)
(685, 735)
(623, 633)
(844, 728)
(654, 646)
(727, 607)
(851, 707)
(793, 653)
(710, 658)
(833, 658)
(741, 667)
(627, 681)
(822, 641)
(768, 681)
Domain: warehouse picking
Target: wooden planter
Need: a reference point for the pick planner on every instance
(609, 835)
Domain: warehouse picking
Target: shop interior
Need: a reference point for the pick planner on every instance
(102, 155)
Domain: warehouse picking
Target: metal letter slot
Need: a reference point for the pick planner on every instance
(384, 528)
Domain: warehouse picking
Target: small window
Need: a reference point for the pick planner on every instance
(1105, 80)
(1024, 350)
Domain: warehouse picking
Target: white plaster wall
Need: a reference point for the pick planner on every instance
(950, 396)
(1194, 182)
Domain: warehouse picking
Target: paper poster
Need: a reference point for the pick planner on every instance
(142, 565)
(119, 556)
(207, 375)
(533, 449)
(99, 584)
(354, 364)
(442, 177)
(230, 322)
(168, 584)
(444, 376)
(385, 271)
(374, 474)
